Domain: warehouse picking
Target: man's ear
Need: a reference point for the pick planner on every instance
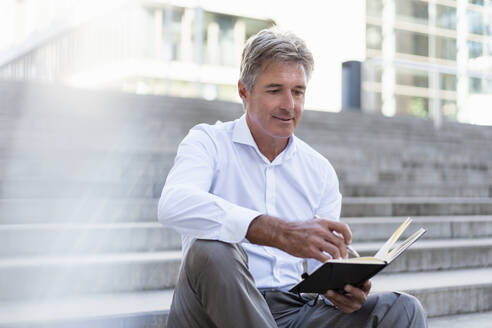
(243, 91)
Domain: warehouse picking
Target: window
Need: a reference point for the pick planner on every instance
(475, 49)
(374, 37)
(412, 43)
(449, 109)
(413, 105)
(448, 82)
(446, 17)
(226, 39)
(414, 11)
(475, 22)
(374, 8)
(446, 48)
(253, 26)
(412, 78)
(368, 97)
(476, 2)
(475, 85)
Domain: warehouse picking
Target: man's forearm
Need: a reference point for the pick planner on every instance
(306, 239)
(266, 230)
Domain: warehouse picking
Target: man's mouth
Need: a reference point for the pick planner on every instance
(285, 119)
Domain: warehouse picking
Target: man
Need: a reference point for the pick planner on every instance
(244, 195)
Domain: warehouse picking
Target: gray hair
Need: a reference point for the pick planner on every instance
(273, 44)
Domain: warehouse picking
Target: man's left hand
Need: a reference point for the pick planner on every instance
(352, 300)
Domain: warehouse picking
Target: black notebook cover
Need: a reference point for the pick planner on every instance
(335, 275)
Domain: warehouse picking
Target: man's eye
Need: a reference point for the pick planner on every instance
(273, 91)
(298, 92)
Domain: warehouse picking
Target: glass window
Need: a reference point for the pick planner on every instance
(412, 43)
(475, 49)
(374, 8)
(413, 105)
(475, 22)
(373, 73)
(449, 109)
(226, 39)
(448, 82)
(475, 85)
(175, 33)
(367, 98)
(220, 43)
(412, 78)
(476, 2)
(446, 17)
(412, 10)
(446, 48)
(374, 37)
(253, 26)
(489, 85)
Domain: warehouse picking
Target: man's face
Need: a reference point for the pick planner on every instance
(274, 107)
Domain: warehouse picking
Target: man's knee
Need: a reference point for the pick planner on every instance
(411, 307)
(213, 254)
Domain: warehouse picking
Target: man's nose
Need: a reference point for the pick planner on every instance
(288, 101)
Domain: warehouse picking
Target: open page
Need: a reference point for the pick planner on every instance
(363, 259)
(384, 250)
(405, 244)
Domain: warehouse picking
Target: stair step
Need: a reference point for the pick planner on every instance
(63, 276)
(84, 209)
(36, 188)
(141, 186)
(432, 255)
(413, 189)
(146, 309)
(438, 227)
(443, 292)
(86, 238)
(79, 238)
(140, 271)
(415, 206)
(470, 320)
(145, 209)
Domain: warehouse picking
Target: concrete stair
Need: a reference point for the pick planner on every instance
(471, 320)
(81, 172)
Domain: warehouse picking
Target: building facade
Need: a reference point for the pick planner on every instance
(146, 47)
(430, 58)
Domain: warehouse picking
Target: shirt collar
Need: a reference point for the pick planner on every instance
(242, 134)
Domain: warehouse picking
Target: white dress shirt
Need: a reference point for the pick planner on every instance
(220, 182)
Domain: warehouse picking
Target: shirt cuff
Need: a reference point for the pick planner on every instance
(238, 219)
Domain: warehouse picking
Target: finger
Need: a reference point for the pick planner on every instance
(357, 295)
(326, 237)
(318, 254)
(338, 242)
(339, 227)
(331, 249)
(342, 302)
(366, 287)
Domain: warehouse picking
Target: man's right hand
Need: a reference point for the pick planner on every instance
(306, 239)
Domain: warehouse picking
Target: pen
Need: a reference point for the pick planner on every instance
(349, 248)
